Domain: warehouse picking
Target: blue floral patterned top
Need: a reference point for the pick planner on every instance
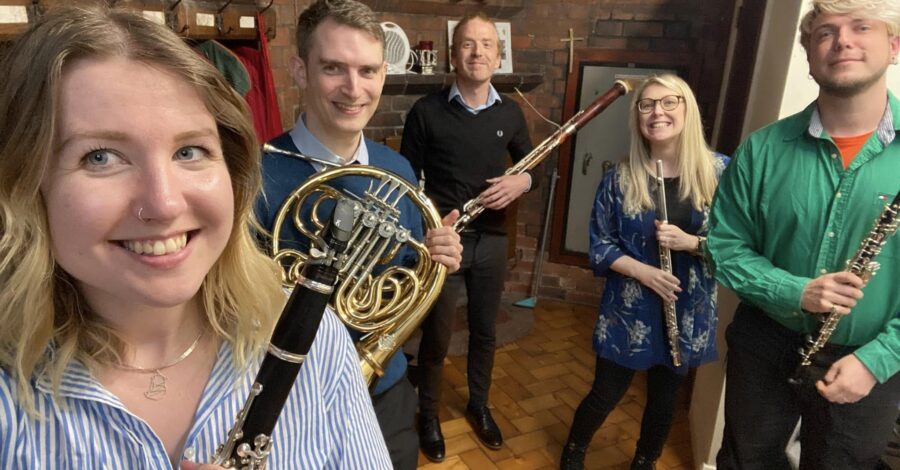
(630, 329)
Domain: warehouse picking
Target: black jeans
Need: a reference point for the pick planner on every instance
(610, 383)
(482, 272)
(395, 409)
(762, 408)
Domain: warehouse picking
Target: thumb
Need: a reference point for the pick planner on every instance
(494, 180)
(450, 218)
(188, 465)
(832, 374)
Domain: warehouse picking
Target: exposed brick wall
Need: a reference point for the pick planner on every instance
(700, 27)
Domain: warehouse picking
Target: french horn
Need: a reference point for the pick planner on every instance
(387, 303)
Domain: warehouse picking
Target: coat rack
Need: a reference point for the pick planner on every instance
(192, 19)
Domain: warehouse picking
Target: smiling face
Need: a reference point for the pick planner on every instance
(660, 126)
(135, 140)
(342, 81)
(848, 54)
(476, 51)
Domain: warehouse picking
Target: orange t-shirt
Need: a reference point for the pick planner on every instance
(850, 146)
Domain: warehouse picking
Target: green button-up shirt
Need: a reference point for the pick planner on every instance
(786, 211)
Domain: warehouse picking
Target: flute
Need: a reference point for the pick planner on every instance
(249, 442)
(665, 263)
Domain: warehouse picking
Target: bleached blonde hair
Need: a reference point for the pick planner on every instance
(886, 11)
(695, 159)
(41, 308)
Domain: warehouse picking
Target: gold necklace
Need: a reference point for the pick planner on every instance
(157, 388)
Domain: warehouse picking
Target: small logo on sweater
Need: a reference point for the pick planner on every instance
(500, 133)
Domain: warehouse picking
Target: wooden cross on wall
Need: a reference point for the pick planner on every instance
(571, 40)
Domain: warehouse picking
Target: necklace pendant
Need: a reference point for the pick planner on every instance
(157, 388)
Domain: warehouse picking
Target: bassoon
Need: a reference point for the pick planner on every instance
(473, 208)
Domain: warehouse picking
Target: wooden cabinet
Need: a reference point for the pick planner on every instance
(194, 19)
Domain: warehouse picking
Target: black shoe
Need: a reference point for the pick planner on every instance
(431, 441)
(642, 463)
(485, 427)
(572, 457)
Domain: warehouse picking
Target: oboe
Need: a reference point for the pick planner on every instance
(665, 263)
(862, 264)
(249, 442)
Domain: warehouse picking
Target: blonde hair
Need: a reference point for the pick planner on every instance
(886, 11)
(695, 159)
(41, 310)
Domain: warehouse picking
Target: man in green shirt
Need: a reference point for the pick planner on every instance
(791, 209)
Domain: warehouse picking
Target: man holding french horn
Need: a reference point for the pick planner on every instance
(341, 70)
(800, 199)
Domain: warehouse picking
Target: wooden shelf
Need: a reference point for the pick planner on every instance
(416, 84)
(497, 9)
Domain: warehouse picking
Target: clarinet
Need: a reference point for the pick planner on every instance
(862, 264)
(665, 263)
(249, 442)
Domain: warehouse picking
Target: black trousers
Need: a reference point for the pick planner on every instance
(762, 408)
(482, 272)
(395, 409)
(610, 383)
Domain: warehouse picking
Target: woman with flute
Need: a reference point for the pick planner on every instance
(135, 306)
(625, 243)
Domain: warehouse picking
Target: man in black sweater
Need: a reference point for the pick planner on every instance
(458, 139)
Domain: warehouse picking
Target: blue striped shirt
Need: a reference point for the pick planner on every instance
(327, 422)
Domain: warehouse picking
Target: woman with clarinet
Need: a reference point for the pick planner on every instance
(135, 305)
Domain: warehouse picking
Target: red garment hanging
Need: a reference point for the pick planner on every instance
(262, 98)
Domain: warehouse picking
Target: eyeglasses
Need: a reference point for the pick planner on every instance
(667, 103)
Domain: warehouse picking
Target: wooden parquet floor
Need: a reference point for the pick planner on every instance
(538, 381)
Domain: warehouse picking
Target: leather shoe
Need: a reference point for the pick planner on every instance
(431, 441)
(642, 463)
(485, 427)
(572, 457)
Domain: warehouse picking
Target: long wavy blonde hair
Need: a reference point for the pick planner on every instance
(41, 310)
(695, 159)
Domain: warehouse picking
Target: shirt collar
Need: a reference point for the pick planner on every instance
(886, 130)
(308, 144)
(77, 382)
(493, 98)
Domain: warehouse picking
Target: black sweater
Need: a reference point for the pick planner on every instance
(457, 151)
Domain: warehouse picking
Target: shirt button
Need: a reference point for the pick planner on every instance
(838, 195)
(823, 271)
(833, 156)
(190, 453)
(830, 234)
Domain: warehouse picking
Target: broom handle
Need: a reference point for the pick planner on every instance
(536, 282)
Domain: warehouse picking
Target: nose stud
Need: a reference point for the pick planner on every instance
(140, 215)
